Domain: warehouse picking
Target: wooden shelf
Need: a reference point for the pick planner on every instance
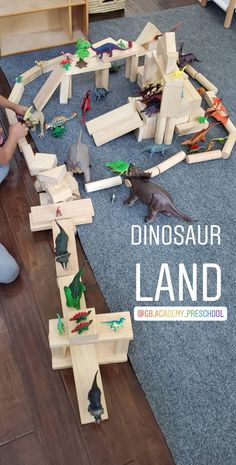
(35, 25)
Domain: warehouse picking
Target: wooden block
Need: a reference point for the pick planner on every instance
(61, 362)
(160, 130)
(205, 82)
(61, 193)
(103, 184)
(169, 132)
(87, 337)
(11, 116)
(29, 156)
(81, 211)
(132, 68)
(140, 76)
(154, 172)
(63, 281)
(43, 162)
(56, 340)
(85, 365)
(111, 117)
(106, 333)
(31, 74)
(229, 126)
(45, 198)
(208, 96)
(194, 116)
(73, 184)
(38, 186)
(172, 161)
(49, 87)
(49, 65)
(191, 127)
(204, 156)
(149, 69)
(171, 100)
(102, 79)
(191, 71)
(73, 264)
(148, 33)
(21, 142)
(53, 177)
(16, 92)
(65, 89)
(229, 145)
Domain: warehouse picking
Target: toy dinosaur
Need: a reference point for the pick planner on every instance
(202, 119)
(118, 166)
(74, 291)
(60, 120)
(187, 58)
(155, 148)
(34, 117)
(114, 324)
(199, 136)
(61, 243)
(82, 326)
(78, 159)
(108, 48)
(95, 407)
(147, 91)
(85, 105)
(60, 325)
(81, 316)
(218, 110)
(99, 94)
(113, 198)
(18, 79)
(157, 198)
(59, 131)
(178, 73)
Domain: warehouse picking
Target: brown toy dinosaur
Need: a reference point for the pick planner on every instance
(157, 198)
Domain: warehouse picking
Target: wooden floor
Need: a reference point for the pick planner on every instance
(39, 419)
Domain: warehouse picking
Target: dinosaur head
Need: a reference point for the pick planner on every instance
(136, 173)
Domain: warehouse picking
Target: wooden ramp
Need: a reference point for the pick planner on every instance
(49, 87)
(114, 124)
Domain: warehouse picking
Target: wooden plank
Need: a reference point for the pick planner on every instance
(42, 162)
(11, 116)
(73, 264)
(85, 365)
(78, 208)
(17, 92)
(112, 116)
(31, 74)
(49, 88)
(111, 132)
(53, 177)
(65, 89)
(148, 33)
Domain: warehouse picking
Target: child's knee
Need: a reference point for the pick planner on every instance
(9, 269)
(4, 170)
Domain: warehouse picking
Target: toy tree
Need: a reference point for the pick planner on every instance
(81, 50)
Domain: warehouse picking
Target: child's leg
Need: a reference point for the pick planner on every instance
(9, 270)
(4, 170)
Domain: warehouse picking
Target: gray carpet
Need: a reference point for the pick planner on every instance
(187, 370)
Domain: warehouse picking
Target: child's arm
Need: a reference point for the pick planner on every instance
(16, 132)
(18, 109)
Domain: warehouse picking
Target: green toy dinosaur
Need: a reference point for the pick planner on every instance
(114, 324)
(118, 166)
(74, 291)
(60, 325)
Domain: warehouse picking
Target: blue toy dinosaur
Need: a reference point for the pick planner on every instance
(114, 324)
(108, 48)
(99, 93)
(155, 148)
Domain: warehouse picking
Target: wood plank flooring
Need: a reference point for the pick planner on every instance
(39, 419)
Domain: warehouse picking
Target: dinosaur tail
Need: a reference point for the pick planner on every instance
(178, 214)
(198, 61)
(74, 114)
(94, 385)
(59, 226)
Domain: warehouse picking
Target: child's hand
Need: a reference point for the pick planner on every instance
(20, 109)
(17, 131)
